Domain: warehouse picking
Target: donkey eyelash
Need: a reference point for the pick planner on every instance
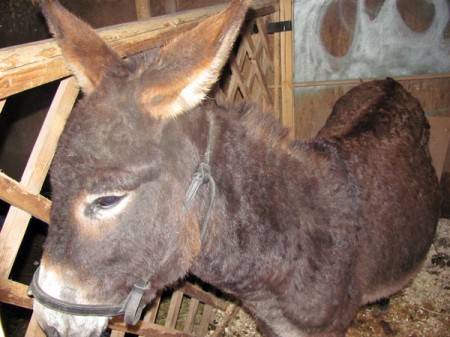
(108, 201)
(105, 206)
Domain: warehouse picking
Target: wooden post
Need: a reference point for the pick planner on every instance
(143, 9)
(287, 68)
(171, 6)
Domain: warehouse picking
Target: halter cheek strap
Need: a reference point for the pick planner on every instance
(131, 308)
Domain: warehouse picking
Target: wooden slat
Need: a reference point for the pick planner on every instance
(146, 329)
(14, 194)
(33, 64)
(191, 314)
(206, 318)
(287, 67)
(205, 297)
(16, 221)
(150, 316)
(15, 293)
(355, 81)
(439, 142)
(143, 9)
(174, 309)
(277, 71)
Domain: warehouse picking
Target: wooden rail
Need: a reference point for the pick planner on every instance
(33, 64)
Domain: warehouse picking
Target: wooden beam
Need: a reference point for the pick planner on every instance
(356, 81)
(15, 293)
(287, 67)
(146, 329)
(205, 297)
(33, 64)
(16, 195)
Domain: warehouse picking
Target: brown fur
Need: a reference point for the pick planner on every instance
(302, 233)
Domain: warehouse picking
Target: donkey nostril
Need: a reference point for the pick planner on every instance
(52, 332)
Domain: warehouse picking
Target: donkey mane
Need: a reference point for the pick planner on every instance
(260, 125)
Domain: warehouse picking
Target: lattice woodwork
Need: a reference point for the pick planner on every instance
(250, 74)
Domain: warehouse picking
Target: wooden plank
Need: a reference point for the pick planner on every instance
(150, 316)
(16, 195)
(287, 67)
(356, 81)
(143, 9)
(191, 314)
(16, 221)
(146, 329)
(116, 333)
(33, 64)
(277, 71)
(439, 142)
(205, 297)
(15, 293)
(206, 318)
(174, 309)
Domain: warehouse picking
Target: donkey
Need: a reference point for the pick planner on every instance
(302, 233)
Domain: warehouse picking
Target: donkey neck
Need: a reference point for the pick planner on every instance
(248, 169)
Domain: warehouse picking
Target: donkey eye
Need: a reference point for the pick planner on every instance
(108, 201)
(105, 206)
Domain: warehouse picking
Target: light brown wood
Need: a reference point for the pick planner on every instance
(287, 67)
(204, 322)
(15, 293)
(205, 297)
(33, 329)
(16, 195)
(146, 329)
(439, 142)
(191, 314)
(16, 221)
(33, 64)
(143, 9)
(417, 77)
(174, 309)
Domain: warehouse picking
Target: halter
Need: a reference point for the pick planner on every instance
(131, 308)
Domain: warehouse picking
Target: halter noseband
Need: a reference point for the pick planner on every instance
(131, 308)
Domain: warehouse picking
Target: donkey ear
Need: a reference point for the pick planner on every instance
(86, 54)
(189, 65)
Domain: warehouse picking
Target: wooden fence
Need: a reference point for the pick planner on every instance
(255, 70)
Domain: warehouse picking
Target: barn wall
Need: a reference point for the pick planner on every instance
(314, 97)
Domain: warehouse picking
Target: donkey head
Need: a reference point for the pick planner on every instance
(116, 190)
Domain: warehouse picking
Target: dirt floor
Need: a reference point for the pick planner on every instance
(420, 310)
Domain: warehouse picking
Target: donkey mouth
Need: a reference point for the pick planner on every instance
(57, 324)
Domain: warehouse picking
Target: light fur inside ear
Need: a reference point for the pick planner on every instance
(191, 64)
